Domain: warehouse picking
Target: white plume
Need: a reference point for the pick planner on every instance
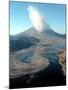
(36, 19)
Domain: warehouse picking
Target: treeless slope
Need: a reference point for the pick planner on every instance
(62, 60)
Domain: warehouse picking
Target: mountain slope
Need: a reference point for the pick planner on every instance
(22, 42)
(32, 37)
(32, 51)
(48, 32)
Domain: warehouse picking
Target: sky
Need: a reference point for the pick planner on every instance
(19, 21)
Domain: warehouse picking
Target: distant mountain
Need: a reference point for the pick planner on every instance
(32, 37)
(49, 32)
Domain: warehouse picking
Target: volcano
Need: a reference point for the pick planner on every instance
(31, 37)
(34, 58)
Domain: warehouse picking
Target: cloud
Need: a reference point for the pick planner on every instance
(36, 19)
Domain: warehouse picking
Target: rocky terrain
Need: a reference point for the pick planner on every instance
(62, 60)
(37, 59)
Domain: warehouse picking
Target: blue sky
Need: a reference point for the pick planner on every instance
(19, 18)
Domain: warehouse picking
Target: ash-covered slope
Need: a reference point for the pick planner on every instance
(47, 32)
(22, 42)
(32, 37)
(32, 51)
(35, 59)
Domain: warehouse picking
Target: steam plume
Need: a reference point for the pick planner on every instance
(36, 19)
